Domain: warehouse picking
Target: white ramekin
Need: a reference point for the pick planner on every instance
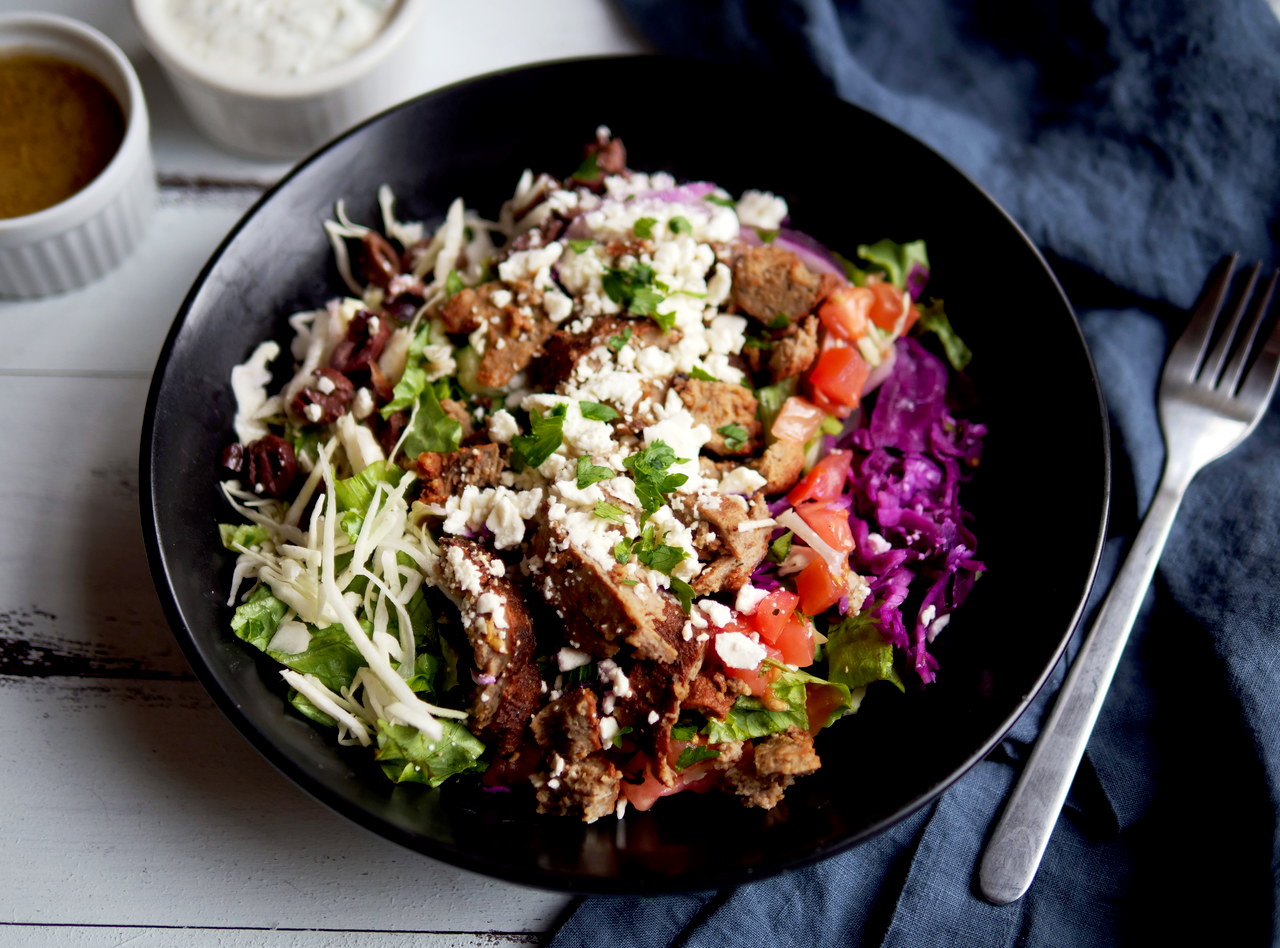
(75, 242)
(283, 117)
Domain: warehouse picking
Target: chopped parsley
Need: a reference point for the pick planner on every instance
(616, 343)
(636, 291)
(546, 433)
(644, 227)
(589, 473)
(453, 284)
(680, 225)
(581, 245)
(684, 592)
(597, 412)
(658, 556)
(589, 170)
(781, 321)
(735, 436)
(721, 201)
(648, 468)
(702, 375)
(767, 236)
(611, 512)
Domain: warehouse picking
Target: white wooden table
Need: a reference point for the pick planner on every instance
(131, 812)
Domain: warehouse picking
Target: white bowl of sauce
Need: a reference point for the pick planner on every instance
(77, 183)
(278, 80)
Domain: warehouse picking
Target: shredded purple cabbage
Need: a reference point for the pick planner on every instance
(910, 459)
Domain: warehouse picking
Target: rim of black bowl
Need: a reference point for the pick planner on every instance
(209, 667)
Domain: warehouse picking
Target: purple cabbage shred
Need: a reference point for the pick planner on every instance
(910, 459)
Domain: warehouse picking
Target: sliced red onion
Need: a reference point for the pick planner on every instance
(483, 679)
(881, 371)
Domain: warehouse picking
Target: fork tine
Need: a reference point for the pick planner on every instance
(1187, 354)
(1261, 380)
(1258, 313)
(1213, 364)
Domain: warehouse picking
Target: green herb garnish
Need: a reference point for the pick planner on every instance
(680, 225)
(644, 227)
(735, 436)
(589, 473)
(546, 433)
(597, 412)
(648, 468)
(684, 592)
(636, 292)
(611, 512)
(702, 374)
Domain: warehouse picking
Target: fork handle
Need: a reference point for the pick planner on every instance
(1018, 841)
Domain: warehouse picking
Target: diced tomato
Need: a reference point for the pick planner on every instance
(845, 311)
(643, 794)
(839, 376)
(796, 642)
(887, 306)
(820, 701)
(825, 481)
(818, 589)
(773, 613)
(912, 315)
(798, 420)
(758, 679)
(830, 522)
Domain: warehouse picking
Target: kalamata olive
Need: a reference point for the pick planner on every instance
(379, 262)
(270, 465)
(366, 336)
(233, 458)
(325, 399)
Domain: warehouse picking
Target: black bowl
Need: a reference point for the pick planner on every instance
(1040, 500)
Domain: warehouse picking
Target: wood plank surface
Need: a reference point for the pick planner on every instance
(119, 779)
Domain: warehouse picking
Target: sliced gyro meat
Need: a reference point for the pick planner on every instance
(497, 625)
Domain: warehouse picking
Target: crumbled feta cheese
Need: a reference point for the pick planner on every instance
(749, 598)
(567, 659)
(717, 613)
(742, 480)
(738, 651)
(761, 209)
(608, 729)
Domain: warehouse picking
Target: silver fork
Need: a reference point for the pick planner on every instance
(1213, 392)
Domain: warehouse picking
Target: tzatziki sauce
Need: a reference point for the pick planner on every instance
(275, 38)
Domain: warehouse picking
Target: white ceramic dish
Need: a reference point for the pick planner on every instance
(80, 239)
(278, 117)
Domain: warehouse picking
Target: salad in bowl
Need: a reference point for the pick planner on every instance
(632, 490)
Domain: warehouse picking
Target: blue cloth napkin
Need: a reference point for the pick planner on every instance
(1136, 142)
